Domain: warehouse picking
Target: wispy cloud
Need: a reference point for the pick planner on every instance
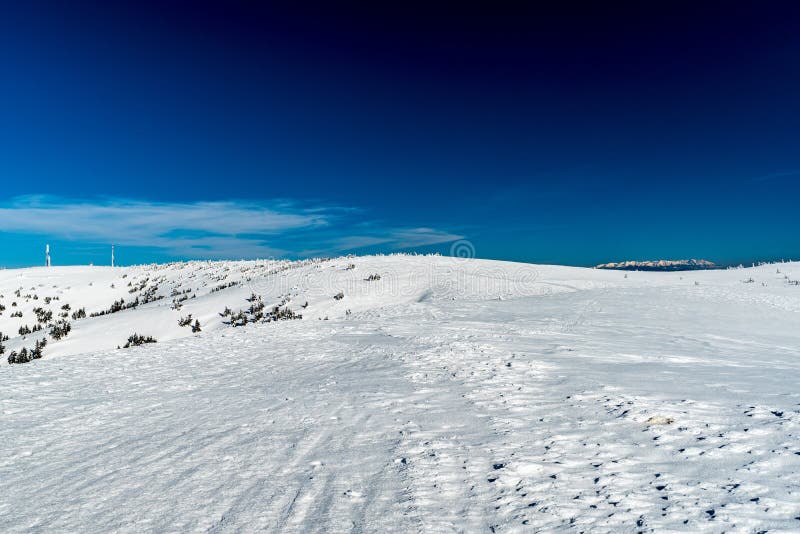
(396, 238)
(219, 229)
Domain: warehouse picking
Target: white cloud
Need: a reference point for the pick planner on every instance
(218, 229)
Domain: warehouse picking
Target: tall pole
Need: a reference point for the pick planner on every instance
(47, 254)
(112, 255)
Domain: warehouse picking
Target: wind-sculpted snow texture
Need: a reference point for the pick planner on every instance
(447, 395)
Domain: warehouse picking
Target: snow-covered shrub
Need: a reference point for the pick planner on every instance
(252, 314)
(24, 330)
(22, 356)
(372, 278)
(281, 314)
(256, 310)
(338, 296)
(224, 286)
(60, 329)
(43, 316)
(117, 306)
(185, 321)
(25, 355)
(196, 326)
(238, 319)
(38, 349)
(79, 314)
(150, 295)
(136, 340)
(16, 313)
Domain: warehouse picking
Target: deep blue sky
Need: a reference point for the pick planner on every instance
(578, 135)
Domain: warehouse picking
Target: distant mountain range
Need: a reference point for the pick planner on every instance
(660, 265)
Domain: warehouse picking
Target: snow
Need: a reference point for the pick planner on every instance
(456, 395)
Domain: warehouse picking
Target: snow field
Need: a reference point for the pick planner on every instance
(457, 395)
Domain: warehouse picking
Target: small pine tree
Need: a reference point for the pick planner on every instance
(196, 326)
(38, 349)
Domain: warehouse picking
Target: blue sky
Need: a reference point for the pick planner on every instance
(579, 136)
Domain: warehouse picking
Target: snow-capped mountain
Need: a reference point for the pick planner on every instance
(660, 265)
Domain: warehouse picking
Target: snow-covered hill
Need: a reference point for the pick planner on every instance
(441, 395)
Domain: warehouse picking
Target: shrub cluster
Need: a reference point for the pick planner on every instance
(224, 286)
(117, 306)
(25, 355)
(22, 356)
(281, 314)
(43, 316)
(255, 313)
(136, 340)
(60, 329)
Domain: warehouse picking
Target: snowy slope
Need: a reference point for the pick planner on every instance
(450, 395)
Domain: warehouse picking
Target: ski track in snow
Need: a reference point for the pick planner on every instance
(594, 403)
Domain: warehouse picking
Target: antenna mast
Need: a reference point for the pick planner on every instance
(112, 255)
(47, 254)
